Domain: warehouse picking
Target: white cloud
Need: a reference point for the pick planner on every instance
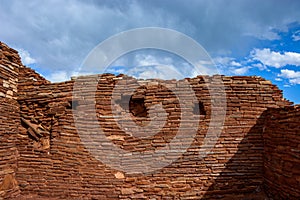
(58, 76)
(236, 64)
(260, 66)
(275, 59)
(278, 79)
(296, 36)
(241, 71)
(227, 61)
(165, 72)
(25, 57)
(286, 73)
(295, 81)
(148, 64)
(74, 73)
(223, 60)
(291, 75)
(151, 63)
(146, 60)
(61, 33)
(229, 66)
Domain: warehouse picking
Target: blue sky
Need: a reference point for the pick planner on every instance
(243, 37)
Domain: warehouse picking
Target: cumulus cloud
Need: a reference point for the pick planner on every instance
(61, 33)
(223, 60)
(260, 66)
(241, 71)
(150, 63)
(230, 66)
(26, 57)
(291, 75)
(146, 64)
(236, 64)
(295, 81)
(142, 59)
(156, 71)
(275, 59)
(58, 76)
(286, 73)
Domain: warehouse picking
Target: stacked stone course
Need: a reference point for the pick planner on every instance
(42, 154)
(282, 152)
(9, 119)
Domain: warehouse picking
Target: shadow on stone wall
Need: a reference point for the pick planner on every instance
(245, 166)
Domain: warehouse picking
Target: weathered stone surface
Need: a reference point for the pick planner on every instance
(119, 175)
(9, 121)
(282, 152)
(42, 155)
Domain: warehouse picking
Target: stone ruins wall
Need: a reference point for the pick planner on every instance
(9, 120)
(282, 152)
(63, 167)
(48, 158)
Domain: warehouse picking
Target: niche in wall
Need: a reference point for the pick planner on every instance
(200, 111)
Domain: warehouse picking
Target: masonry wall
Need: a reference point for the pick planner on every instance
(282, 153)
(64, 168)
(9, 121)
(43, 155)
